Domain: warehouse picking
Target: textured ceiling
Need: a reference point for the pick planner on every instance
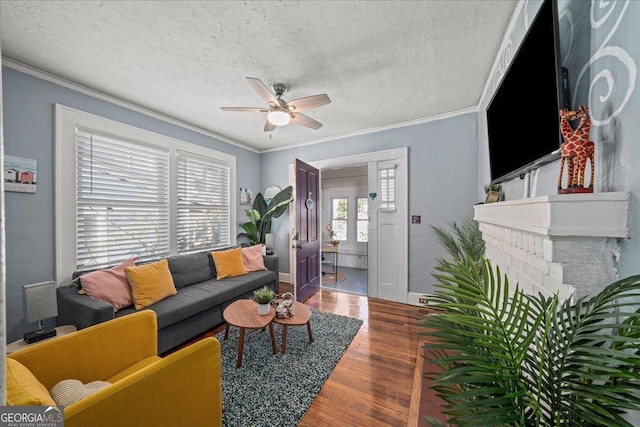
(382, 63)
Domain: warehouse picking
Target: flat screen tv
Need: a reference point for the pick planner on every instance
(523, 116)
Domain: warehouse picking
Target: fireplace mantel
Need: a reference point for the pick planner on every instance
(564, 244)
(562, 215)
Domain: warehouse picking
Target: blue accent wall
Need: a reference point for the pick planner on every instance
(443, 178)
(29, 124)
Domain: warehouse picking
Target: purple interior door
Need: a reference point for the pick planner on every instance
(307, 226)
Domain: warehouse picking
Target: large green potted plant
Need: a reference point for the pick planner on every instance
(262, 214)
(502, 357)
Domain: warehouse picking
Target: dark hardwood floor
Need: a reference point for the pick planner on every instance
(378, 380)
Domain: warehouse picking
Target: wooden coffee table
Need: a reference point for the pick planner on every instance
(301, 317)
(244, 315)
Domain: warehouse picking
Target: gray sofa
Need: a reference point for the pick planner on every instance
(194, 309)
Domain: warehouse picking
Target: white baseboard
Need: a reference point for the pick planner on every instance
(285, 277)
(414, 299)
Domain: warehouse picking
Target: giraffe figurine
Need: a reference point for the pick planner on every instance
(567, 153)
(583, 130)
(576, 149)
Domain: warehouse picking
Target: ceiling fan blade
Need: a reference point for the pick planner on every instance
(268, 126)
(263, 91)
(308, 102)
(307, 121)
(245, 109)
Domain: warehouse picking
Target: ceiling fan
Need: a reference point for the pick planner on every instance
(281, 112)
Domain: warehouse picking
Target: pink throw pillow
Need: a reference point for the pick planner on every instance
(252, 258)
(110, 285)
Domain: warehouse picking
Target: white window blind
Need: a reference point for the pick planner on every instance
(122, 200)
(204, 211)
(387, 179)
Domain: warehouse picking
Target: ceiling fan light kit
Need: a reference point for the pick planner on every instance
(278, 117)
(281, 112)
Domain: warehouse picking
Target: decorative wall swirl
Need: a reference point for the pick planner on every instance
(503, 64)
(507, 54)
(606, 80)
(610, 72)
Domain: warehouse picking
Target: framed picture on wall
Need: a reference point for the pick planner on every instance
(20, 174)
(246, 196)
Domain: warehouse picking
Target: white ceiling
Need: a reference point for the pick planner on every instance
(382, 63)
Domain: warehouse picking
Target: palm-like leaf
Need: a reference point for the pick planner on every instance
(463, 242)
(589, 360)
(471, 337)
(508, 358)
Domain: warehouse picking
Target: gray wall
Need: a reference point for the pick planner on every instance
(443, 173)
(29, 132)
(600, 44)
(3, 299)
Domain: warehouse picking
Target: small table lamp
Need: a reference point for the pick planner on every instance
(39, 303)
(269, 243)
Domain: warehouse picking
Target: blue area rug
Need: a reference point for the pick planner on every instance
(275, 389)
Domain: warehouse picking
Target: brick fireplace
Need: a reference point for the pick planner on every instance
(567, 244)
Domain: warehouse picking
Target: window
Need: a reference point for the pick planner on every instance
(122, 191)
(387, 188)
(363, 220)
(203, 203)
(122, 200)
(339, 217)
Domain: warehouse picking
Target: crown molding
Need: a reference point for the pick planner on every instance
(397, 125)
(44, 75)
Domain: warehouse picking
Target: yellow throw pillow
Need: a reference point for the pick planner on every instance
(150, 283)
(23, 388)
(229, 263)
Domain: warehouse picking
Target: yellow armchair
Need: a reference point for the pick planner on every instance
(181, 389)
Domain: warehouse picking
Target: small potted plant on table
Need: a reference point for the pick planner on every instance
(263, 298)
(332, 235)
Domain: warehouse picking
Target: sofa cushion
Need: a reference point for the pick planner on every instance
(228, 263)
(150, 283)
(68, 392)
(23, 388)
(110, 285)
(252, 258)
(203, 296)
(187, 269)
(243, 286)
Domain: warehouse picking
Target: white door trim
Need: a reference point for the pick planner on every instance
(401, 156)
